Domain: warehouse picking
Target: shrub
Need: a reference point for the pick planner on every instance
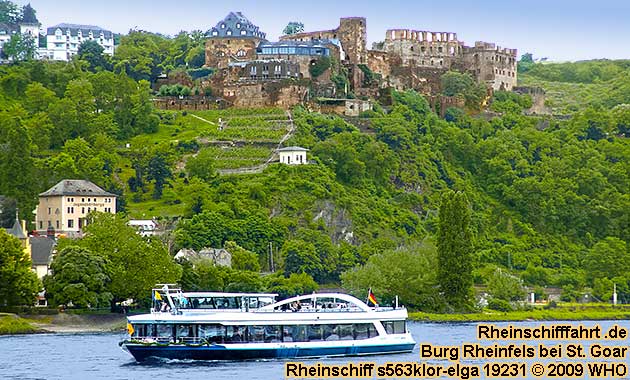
(499, 305)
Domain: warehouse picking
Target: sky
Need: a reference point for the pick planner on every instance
(560, 30)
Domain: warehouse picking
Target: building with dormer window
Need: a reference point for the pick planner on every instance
(64, 207)
(234, 38)
(63, 40)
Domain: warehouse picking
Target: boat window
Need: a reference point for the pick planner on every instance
(314, 332)
(287, 333)
(399, 327)
(345, 332)
(361, 331)
(394, 327)
(298, 334)
(185, 331)
(235, 334)
(388, 326)
(256, 334)
(139, 330)
(372, 332)
(164, 331)
(329, 332)
(212, 333)
(273, 334)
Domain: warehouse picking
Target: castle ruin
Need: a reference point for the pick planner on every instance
(405, 59)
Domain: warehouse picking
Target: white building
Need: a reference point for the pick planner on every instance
(145, 227)
(63, 40)
(293, 155)
(6, 31)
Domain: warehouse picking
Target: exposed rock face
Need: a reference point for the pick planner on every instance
(337, 220)
(218, 256)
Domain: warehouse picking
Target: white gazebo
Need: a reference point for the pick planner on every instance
(293, 155)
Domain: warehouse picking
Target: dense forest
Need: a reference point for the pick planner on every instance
(549, 198)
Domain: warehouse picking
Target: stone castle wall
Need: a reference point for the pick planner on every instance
(222, 50)
(269, 94)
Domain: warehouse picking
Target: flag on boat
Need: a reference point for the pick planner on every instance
(157, 296)
(130, 329)
(371, 298)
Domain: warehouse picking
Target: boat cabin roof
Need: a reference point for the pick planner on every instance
(221, 294)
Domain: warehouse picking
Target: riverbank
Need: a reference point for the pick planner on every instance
(11, 324)
(61, 323)
(569, 312)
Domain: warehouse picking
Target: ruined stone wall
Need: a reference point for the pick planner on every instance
(189, 103)
(426, 80)
(492, 64)
(423, 48)
(174, 77)
(269, 94)
(440, 103)
(310, 36)
(379, 62)
(538, 96)
(222, 50)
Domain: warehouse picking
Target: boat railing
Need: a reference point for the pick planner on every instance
(326, 310)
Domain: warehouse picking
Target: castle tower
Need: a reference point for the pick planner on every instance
(352, 34)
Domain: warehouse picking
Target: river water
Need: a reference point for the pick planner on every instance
(98, 356)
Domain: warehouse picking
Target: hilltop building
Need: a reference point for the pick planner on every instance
(336, 63)
(63, 40)
(234, 38)
(64, 207)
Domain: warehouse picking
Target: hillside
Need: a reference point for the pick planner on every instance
(549, 206)
(574, 86)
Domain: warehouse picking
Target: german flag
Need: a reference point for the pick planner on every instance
(371, 299)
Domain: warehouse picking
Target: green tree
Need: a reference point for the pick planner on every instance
(505, 286)
(134, 264)
(20, 47)
(318, 67)
(78, 278)
(19, 283)
(92, 52)
(158, 171)
(409, 272)
(293, 27)
(17, 166)
(38, 98)
(301, 257)
(296, 284)
(242, 259)
(9, 12)
(458, 84)
(28, 15)
(202, 165)
(607, 259)
(455, 250)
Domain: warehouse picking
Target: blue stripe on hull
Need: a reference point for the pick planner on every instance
(141, 353)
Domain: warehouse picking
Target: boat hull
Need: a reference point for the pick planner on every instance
(220, 352)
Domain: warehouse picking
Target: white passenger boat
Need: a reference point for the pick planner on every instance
(314, 325)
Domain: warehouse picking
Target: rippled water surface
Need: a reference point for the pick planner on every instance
(98, 356)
